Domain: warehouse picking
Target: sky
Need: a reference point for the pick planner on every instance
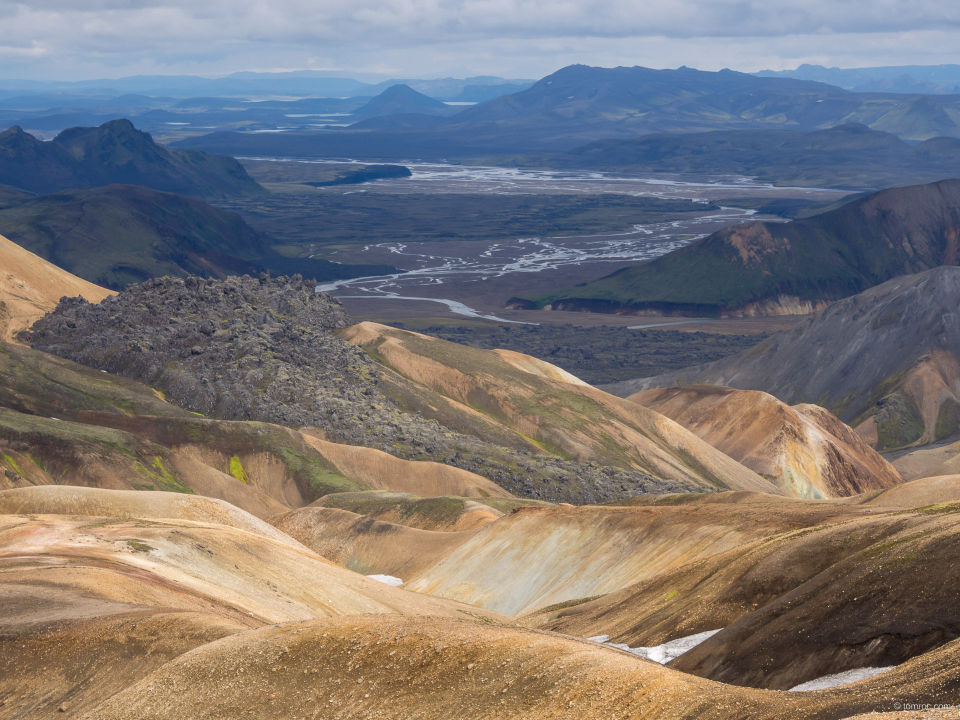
(376, 39)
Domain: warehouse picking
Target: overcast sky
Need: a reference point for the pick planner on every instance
(85, 39)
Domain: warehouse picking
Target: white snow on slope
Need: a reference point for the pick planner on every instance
(661, 653)
(387, 579)
(844, 678)
(675, 648)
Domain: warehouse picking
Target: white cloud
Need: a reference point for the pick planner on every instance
(60, 37)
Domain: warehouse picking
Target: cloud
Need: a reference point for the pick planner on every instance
(80, 36)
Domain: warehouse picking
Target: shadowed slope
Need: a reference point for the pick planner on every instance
(121, 234)
(804, 450)
(885, 361)
(116, 152)
(799, 605)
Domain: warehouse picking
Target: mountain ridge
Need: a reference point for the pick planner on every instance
(116, 153)
(767, 268)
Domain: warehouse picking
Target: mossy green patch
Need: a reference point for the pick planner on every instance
(236, 469)
(12, 463)
(138, 546)
(884, 387)
(161, 477)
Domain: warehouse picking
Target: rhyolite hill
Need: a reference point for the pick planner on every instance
(766, 268)
(889, 356)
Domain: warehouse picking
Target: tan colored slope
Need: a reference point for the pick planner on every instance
(30, 287)
(924, 492)
(535, 366)
(805, 450)
(75, 663)
(380, 471)
(125, 504)
(929, 462)
(368, 546)
(540, 556)
(90, 605)
(191, 566)
(564, 418)
(401, 668)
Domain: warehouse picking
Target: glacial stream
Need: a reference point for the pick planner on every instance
(436, 271)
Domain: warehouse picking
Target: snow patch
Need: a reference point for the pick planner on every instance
(387, 580)
(675, 648)
(660, 653)
(844, 678)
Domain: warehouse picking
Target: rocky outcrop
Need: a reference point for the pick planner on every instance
(266, 349)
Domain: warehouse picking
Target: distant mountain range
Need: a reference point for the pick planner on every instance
(908, 79)
(301, 83)
(846, 156)
(579, 105)
(765, 268)
(116, 152)
(572, 107)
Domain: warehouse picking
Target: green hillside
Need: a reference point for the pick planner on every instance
(772, 268)
(121, 234)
